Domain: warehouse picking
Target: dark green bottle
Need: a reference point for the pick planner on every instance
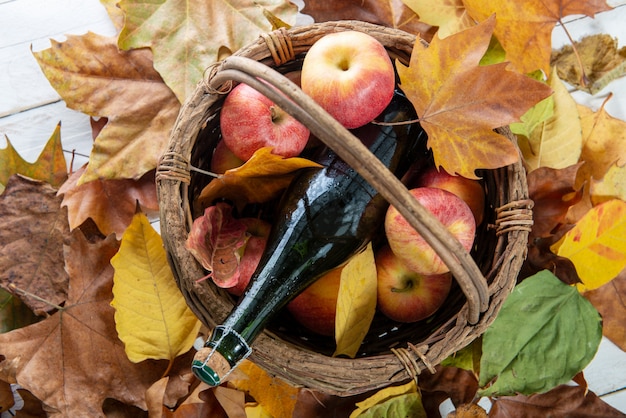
(326, 216)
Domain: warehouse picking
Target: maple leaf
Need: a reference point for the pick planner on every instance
(260, 179)
(609, 301)
(524, 28)
(33, 228)
(50, 165)
(111, 204)
(460, 102)
(186, 36)
(449, 15)
(390, 13)
(72, 361)
(94, 77)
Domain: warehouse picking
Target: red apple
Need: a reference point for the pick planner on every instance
(411, 247)
(407, 296)
(315, 307)
(253, 249)
(471, 191)
(350, 75)
(223, 159)
(250, 121)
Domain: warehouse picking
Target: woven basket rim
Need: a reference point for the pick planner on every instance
(300, 366)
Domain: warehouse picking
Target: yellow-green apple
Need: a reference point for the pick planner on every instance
(258, 230)
(350, 75)
(315, 307)
(250, 121)
(471, 191)
(407, 296)
(411, 247)
(223, 159)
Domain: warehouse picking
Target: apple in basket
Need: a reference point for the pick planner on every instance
(404, 295)
(315, 307)
(411, 247)
(250, 121)
(350, 75)
(471, 191)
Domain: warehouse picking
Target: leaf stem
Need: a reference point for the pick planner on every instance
(583, 77)
(23, 292)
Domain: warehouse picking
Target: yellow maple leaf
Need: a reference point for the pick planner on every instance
(460, 102)
(449, 15)
(382, 396)
(525, 27)
(596, 244)
(151, 315)
(603, 140)
(556, 142)
(356, 302)
(277, 397)
(49, 167)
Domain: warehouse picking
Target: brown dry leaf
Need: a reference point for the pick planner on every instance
(604, 138)
(554, 192)
(460, 102)
(610, 301)
(111, 204)
(260, 179)
(33, 229)
(562, 401)
(186, 36)
(50, 165)
(525, 28)
(601, 61)
(276, 396)
(94, 77)
(448, 382)
(450, 16)
(72, 361)
(391, 13)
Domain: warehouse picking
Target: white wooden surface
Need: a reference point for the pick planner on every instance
(30, 109)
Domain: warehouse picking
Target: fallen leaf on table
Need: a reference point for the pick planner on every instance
(33, 229)
(460, 102)
(184, 44)
(525, 28)
(603, 140)
(78, 348)
(612, 185)
(49, 167)
(93, 76)
(164, 327)
(556, 142)
(602, 62)
(597, 240)
(111, 204)
(449, 16)
(609, 301)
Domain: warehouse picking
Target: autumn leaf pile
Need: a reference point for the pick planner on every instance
(91, 321)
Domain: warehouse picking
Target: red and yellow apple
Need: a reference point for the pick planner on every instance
(350, 75)
(315, 307)
(250, 121)
(223, 159)
(411, 247)
(471, 191)
(407, 296)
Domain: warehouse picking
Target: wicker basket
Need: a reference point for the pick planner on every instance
(483, 278)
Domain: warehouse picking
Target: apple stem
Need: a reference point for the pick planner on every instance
(274, 113)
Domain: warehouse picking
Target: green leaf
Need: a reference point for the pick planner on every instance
(392, 401)
(545, 333)
(467, 358)
(14, 313)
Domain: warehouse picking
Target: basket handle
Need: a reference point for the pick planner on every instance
(294, 101)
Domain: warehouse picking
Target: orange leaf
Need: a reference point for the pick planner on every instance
(524, 28)
(460, 102)
(94, 77)
(110, 203)
(260, 179)
(276, 396)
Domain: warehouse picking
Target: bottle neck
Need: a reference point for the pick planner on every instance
(220, 355)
